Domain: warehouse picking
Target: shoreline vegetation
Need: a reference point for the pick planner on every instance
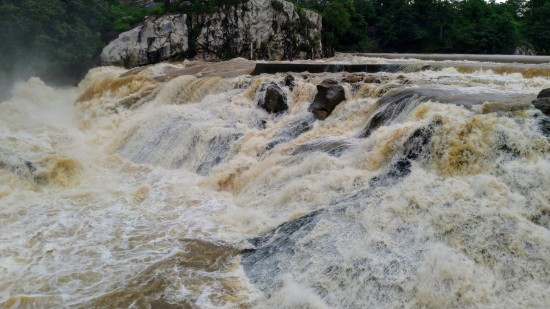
(60, 40)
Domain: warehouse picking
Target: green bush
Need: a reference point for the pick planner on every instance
(123, 17)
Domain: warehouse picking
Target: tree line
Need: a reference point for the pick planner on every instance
(429, 26)
(61, 39)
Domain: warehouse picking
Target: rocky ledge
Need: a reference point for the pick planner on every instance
(255, 29)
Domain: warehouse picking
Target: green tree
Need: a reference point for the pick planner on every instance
(56, 39)
(537, 24)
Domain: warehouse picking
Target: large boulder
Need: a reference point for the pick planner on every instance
(156, 40)
(256, 29)
(329, 94)
(543, 104)
(274, 99)
(543, 101)
(544, 93)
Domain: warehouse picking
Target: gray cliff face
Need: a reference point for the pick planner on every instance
(257, 29)
(155, 40)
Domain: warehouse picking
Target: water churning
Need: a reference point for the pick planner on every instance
(147, 189)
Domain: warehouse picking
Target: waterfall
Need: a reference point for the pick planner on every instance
(164, 187)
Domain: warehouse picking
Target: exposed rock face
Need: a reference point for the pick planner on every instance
(155, 40)
(257, 29)
(329, 94)
(274, 100)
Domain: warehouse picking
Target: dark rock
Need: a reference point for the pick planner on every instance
(289, 82)
(329, 94)
(294, 128)
(390, 106)
(545, 126)
(543, 104)
(544, 93)
(274, 100)
(397, 103)
(353, 78)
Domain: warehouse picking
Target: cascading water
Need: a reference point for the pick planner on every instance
(144, 189)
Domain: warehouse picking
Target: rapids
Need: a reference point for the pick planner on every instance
(168, 187)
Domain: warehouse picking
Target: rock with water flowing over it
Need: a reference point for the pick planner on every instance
(353, 78)
(329, 94)
(274, 101)
(371, 80)
(290, 82)
(254, 29)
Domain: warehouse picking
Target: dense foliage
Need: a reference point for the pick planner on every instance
(60, 39)
(458, 26)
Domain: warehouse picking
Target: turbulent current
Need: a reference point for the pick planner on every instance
(169, 187)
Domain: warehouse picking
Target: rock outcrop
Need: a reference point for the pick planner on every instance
(329, 94)
(155, 40)
(256, 29)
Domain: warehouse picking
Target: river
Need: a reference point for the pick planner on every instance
(168, 187)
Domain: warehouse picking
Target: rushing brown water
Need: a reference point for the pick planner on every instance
(167, 187)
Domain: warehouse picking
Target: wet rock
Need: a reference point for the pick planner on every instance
(403, 80)
(390, 106)
(544, 93)
(543, 104)
(499, 107)
(545, 126)
(185, 140)
(329, 94)
(333, 145)
(274, 101)
(296, 127)
(371, 80)
(289, 82)
(16, 164)
(353, 78)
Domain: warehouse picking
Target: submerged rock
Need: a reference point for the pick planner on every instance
(329, 94)
(390, 106)
(177, 141)
(274, 100)
(294, 128)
